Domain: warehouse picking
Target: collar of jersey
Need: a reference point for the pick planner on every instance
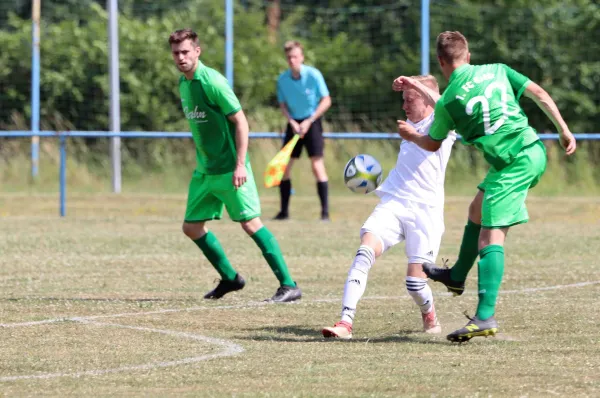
(302, 70)
(458, 71)
(199, 68)
(423, 122)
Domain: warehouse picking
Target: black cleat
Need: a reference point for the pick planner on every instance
(286, 294)
(281, 216)
(225, 287)
(443, 275)
(475, 327)
(324, 216)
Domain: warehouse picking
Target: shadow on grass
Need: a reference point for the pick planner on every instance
(302, 334)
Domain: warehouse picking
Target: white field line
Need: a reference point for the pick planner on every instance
(262, 303)
(230, 348)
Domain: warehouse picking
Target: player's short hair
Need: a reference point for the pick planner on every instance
(182, 35)
(428, 80)
(291, 44)
(452, 46)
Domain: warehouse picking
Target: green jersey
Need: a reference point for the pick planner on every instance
(481, 103)
(207, 100)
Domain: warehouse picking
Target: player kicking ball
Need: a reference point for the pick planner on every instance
(223, 176)
(481, 103)
(411, 209)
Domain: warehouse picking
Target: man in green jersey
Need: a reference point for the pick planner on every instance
(481, 102)
(223, 176)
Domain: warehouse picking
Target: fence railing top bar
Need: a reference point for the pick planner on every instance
(182, 134)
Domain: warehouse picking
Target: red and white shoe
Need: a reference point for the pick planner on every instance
(431, 324)
(341, 330)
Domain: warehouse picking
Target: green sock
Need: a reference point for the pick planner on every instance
(212, 249)
(468, 253)
(491, 268)
(270, 249)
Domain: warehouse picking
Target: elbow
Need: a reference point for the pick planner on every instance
(433, 146)
(536, 92)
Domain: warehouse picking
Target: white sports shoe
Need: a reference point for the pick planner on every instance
(341, 330)
(431, 324)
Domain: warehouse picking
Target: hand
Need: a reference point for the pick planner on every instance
(403, 83)
(295, 126)
(304, 127)
(239, 176)
(406, 131)
(567, 141)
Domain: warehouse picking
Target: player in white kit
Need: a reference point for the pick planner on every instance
(411, 210)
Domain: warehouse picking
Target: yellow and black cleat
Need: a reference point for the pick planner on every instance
(476, 327)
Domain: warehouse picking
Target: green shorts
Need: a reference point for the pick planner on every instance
(505, 190)
(208, 193)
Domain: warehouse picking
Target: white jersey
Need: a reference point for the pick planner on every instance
(419, 174)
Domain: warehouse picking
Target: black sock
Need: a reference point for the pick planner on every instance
(285, 189)
(322, 190)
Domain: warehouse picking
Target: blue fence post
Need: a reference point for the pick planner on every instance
(180, 134)
(62, 179)
(424, 37)
(35, 86)
(229, 41)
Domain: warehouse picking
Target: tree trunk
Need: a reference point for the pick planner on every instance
(273, 19)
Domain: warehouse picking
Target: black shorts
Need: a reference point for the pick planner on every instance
(313, 140)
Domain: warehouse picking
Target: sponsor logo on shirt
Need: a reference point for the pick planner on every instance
(195, 115)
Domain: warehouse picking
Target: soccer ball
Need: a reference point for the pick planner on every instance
(363, 174)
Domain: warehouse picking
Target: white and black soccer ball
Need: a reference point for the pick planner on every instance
(363, 174)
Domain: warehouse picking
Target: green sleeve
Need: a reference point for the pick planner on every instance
(221, 94)
(518, 82)
(442, 122)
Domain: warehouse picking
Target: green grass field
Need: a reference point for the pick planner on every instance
(108, 302)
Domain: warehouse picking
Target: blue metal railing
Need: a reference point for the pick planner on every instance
(63, 135)
(181, 134)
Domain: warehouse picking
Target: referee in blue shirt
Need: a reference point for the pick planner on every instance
(303, 98)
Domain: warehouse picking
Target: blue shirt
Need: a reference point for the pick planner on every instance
(301, 96)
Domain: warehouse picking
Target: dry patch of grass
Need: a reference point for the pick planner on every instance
(125, 258)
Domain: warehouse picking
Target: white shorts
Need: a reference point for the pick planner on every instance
(395, 220)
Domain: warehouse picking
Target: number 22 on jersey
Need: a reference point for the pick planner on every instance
(485, 100)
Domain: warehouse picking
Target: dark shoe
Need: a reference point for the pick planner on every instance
(225, 287)
(286, 294)
(324, 216)
(475, 327)
(281, 216)
(443, 275)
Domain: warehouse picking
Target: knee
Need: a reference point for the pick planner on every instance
(251, 226)
(286, 172)
(475, 211)
(318, 165)
(193, 231)
(373, 241)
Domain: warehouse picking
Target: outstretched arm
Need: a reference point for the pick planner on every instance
(547, 104)
(404, 83)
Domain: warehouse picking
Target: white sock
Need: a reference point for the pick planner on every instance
(421, 293)
(357, 281)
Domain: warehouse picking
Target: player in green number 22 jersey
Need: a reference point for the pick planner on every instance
(481, 102)
(223, 176)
